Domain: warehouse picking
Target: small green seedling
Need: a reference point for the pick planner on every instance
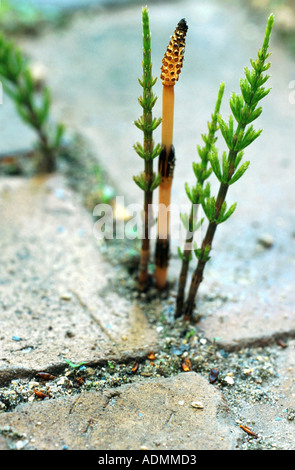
(190, 334)
(33, 108)
(74, 366)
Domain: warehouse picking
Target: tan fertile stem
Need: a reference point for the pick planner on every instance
(167, 117)
(171, 68)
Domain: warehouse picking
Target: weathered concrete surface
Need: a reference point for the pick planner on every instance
(247, 296)
(156, 414)
(3, 444)
(51, 273)
(274, 419)
(95, 91)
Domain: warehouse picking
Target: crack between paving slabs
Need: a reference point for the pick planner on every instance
(261, 341)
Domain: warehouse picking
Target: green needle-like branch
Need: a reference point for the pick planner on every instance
(245, 111)
(195, 195)
(18, 83)
(148, 181)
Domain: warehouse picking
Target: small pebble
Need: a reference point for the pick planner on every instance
(66, 296)
(229, 380)
(61, 381)
(266, 240)
(20, 444)
(33, 384)
(213, 375)
(198, 405)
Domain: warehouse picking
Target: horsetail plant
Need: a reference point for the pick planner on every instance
(18, 83)
(171, 68)
(237, 137)
(148, 181)
(195, 195)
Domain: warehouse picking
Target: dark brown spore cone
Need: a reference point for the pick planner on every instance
(173, 58)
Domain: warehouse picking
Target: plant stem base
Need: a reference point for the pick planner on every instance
(161, 278)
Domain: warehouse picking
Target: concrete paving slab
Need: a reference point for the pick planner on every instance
(156, 414)
(272, 416)
(247, 296)
(51, 274)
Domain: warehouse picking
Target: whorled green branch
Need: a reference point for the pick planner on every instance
(148, 180)
(195, 195)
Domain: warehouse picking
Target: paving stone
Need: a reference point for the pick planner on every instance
(247, 295)
(273, 416)
(51, 274)
(156, 414)
(3, 444)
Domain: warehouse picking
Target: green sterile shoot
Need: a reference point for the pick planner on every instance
(33, 107)
(237, 137)
(195, 195)
(148, 181)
